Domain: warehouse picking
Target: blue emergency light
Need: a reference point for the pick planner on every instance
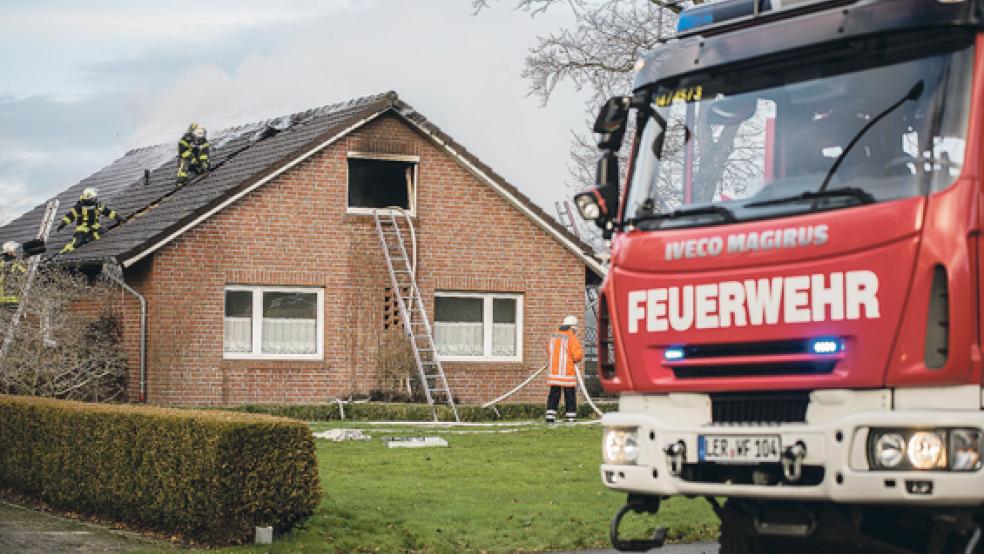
(673, 354)
(718, 12)
(826, 345)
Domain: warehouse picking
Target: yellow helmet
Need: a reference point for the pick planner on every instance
(192, 127)
(89, 193)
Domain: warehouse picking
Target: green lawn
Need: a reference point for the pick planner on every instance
(526, 488)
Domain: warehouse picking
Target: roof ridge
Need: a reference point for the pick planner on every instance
(144, 148)
(294, 117)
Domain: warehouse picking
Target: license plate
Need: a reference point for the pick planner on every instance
(738, 448)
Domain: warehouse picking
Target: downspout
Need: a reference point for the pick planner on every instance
(143, 328)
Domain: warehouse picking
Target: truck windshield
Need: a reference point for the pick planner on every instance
(856, 125)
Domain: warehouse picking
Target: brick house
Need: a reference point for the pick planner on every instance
(264, 281)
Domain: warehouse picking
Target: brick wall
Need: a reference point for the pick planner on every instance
(295, 231)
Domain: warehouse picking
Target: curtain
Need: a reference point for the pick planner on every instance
(238, 335)
(290, 336)
(503, 339)
(458, 338)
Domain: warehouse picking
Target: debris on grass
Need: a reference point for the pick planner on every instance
(414, 442)
(340, 435)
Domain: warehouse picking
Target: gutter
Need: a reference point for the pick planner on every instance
(225, 203)
(143, 328)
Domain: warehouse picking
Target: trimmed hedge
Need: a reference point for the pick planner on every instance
(375, 411)
(206, 475)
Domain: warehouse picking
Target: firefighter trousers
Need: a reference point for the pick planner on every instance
(80, 238)
(189, 168)
(570, 403)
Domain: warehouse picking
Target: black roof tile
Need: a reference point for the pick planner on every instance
(240, 156)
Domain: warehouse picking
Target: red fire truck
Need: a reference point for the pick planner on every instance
(792, 317)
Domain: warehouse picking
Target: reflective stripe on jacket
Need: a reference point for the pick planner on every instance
(563, 351)
(86, 214)
(9, 266)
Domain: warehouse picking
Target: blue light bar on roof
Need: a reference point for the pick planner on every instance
(718, 12)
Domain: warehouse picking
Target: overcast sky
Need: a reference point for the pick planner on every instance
(83, 82)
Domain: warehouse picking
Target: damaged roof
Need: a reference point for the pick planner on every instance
(141, 184)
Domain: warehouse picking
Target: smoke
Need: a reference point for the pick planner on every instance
(459, 70)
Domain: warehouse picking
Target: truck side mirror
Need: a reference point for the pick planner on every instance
(611, 122)
(600, 203)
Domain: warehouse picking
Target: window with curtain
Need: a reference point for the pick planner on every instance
(477, 326)
(273, 323)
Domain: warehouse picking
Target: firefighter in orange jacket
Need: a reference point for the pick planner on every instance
(563, 351)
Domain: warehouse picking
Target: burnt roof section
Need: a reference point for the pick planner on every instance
(241, 157)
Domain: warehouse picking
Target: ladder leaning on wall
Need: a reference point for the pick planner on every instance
(413, 313)
(50, 211)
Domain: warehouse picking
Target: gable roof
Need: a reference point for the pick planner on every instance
(245, 158)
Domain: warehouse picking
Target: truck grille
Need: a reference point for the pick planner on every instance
(805, 367)
(759, 407)
(747, 359)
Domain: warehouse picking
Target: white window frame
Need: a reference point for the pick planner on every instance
(415, 160)
(487, 298)
(257, 324)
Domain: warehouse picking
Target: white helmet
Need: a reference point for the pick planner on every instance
(10, 248)
(89, 193)
(569, 321)
(199, 132)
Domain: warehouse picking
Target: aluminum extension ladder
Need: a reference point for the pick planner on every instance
(50, 211)
(413, 314)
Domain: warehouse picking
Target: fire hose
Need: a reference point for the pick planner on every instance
(517, 388)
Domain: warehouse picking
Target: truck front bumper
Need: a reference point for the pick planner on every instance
(836, 449)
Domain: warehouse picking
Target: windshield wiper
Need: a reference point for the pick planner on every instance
(914, 93)
(726, 215)
(862, 195)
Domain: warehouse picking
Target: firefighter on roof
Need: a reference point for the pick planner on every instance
(10, 266)
(563, 351)
(86, 213)
(192, 153)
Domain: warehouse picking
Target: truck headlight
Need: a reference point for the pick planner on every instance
(952, 449)
(965, 449)
(889, 450)
(620, 445)
(927, 450)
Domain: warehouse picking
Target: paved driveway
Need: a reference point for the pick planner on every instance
(28, 531)
(31, 532)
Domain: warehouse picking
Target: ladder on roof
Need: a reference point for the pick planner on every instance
(50, 211)
(413, 313)
(566, 217)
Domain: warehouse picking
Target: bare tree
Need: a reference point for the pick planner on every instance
(597, 54)
(68, 342)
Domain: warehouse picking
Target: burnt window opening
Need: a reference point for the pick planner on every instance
(381, 183)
